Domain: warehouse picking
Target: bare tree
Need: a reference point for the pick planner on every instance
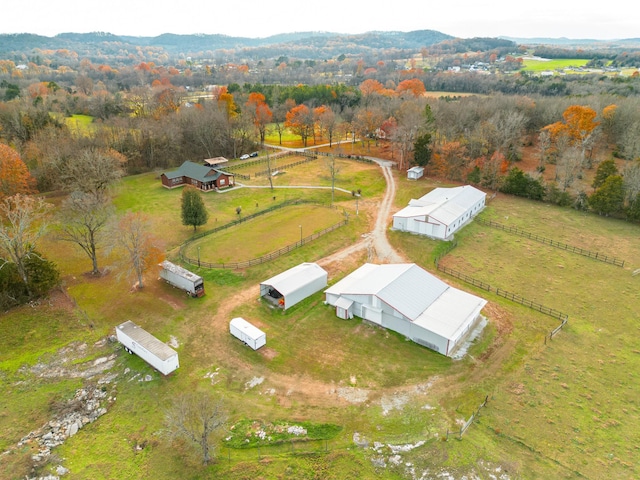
(93, 171)
(630, 141)
(24, 224)
(138, 243)
(569, 167)
(196, 418)
(333, 173)
(84, 217)
(631, 178)
(544, 145)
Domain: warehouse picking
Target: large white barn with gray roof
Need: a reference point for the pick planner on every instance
(409, 300)
(441, 212)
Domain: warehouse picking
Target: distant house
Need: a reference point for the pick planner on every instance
(200, 176)
(415, 173)
(441, 212)
(409, 300)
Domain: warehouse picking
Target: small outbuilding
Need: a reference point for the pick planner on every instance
(441, 212)
(248, 333)
(215, 162)
(294, 285)
(414, 173)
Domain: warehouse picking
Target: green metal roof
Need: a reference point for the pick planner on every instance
(195, 171)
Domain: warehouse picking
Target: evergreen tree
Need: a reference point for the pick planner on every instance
(609, 198)
(523, 185)
(604, 171)
(194, 212)
(422, 149)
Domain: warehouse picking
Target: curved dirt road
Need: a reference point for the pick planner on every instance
(374, 246)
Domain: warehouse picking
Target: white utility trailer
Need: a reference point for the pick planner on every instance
(156, 353)
(249, 334)
(182, 278)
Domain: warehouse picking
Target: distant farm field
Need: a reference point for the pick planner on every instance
(533, 65)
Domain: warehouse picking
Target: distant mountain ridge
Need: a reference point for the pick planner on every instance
(174, 43)
(305, 45)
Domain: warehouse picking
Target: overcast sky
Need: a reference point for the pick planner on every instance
(612, 19)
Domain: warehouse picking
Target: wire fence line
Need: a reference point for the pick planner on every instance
(309, 157)
(547, 241)
(468, 423)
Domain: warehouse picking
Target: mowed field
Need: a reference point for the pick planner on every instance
(567, 409)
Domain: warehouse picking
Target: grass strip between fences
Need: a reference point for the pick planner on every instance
(264, 258)
(547, 241)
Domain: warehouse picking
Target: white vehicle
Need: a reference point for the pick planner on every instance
(182, 278)
(249, 334)
(244, 157)
(156, 353)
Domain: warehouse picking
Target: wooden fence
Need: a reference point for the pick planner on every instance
(563, 317)
(265, 258)
(547, 241)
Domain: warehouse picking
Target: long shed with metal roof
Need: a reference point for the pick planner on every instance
(409, 300)
(294, 285)
(441, 212)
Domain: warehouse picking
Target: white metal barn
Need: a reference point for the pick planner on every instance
(248, 333)
(441, 212)
(414, 173)
(294, 285)
(408, 300)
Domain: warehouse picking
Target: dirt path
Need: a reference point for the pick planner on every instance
(374, 247)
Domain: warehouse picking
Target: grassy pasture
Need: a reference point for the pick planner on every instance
(564, 410)
(351, 175)
(572, 402)
(79, 124)
(247, 241)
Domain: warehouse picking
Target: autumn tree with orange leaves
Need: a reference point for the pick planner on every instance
(412, 86)
(300, 120)
(578, 129)
(14, 174)
(226, 102)
(260, 113)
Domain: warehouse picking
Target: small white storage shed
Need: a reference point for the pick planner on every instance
(294, 285)
(248, 333)
(414, 173)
